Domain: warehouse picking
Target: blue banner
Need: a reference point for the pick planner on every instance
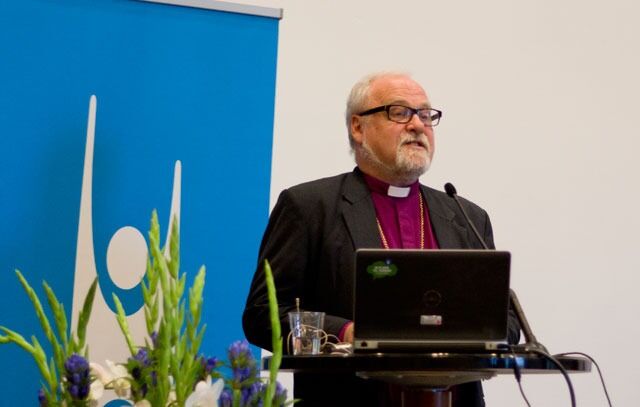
(173, 85)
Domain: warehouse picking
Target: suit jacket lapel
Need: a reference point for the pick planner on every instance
(449, 234)
(359, 213)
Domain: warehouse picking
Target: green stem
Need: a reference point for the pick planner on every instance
(276, 335)
(124, 325)
(44, 321)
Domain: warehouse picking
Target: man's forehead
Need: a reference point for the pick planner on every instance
(398, 89)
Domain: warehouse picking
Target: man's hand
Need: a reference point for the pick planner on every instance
(348, 334)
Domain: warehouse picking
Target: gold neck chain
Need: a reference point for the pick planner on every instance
(385, 244)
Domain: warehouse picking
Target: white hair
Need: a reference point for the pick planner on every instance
(360, 94)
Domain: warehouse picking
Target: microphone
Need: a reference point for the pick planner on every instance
(531, 341)
(451, 191)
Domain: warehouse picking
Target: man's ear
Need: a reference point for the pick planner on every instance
(357, 123)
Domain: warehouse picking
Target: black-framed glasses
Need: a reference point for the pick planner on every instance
(403, 114)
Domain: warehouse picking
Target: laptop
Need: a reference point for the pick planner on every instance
(430, 300)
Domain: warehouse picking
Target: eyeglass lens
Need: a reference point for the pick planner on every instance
(403, 114)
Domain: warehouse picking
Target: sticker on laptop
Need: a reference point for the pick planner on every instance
(382, 269)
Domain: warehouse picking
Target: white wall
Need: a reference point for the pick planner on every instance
(540, 117)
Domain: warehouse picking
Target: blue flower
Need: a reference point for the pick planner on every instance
(77, 375)
(154, 339)
(280, 397)
(208, 364)
(252, 395)
(226, 398)
(42, 398)
(239, 349)
(140, 366)
(240, 374)
(76, 364)
(143, 357)
(243, 364)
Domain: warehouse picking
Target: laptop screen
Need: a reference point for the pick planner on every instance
(430, 298)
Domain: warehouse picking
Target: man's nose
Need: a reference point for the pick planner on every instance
(416, 124)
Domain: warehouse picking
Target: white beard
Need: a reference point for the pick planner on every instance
(409, 163)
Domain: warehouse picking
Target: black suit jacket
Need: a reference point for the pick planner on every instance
(310, 241)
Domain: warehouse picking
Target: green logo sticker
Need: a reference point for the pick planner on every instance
(381, 269)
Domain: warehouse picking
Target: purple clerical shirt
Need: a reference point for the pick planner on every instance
(399, 217)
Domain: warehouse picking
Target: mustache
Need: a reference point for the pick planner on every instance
(419, 138)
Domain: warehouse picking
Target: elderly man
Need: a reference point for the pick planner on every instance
(315, 227)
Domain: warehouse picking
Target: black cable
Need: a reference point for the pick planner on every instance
(518, 375)
(604, 386)
(562, 370)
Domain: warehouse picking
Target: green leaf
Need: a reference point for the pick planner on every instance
(163, 364)
(16, 338)
(195, 296)
(44, 321)
(146, 295)
(276, 335)
(85, 314)
(124, 325)
(41, 362)
(52, 370)
(148, 319)
(180, 286)
(42, 318)
(152, 277)
(60, 317)
(174, 248)
(197, 341)
(237, 397)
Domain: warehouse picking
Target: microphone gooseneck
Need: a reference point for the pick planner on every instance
(531, 341)
(451, 191)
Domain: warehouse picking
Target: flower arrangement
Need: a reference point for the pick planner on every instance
(66, 378)
(168, 370)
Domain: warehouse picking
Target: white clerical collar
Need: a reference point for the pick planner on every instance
(398, 192)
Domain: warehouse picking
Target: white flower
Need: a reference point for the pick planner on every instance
(172, 396)
(206, 394)
(142, 403)
(95, 392)
(116, 378)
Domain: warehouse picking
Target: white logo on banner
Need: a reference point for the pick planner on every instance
(126, 264)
